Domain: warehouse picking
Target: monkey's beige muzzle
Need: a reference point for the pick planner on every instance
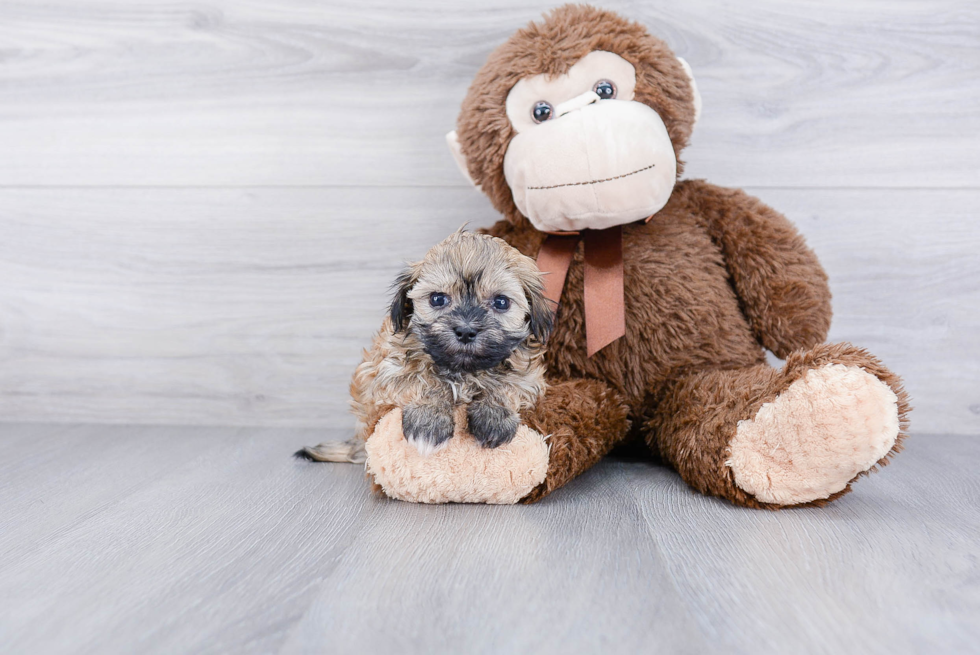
(597, 165)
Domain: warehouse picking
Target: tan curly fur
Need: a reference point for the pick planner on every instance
(398, 371)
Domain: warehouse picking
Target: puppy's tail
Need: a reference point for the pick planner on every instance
(351, 451)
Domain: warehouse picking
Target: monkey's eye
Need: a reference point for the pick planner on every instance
(438, 299)
(501, 303)
(605, 89)
(542, 111)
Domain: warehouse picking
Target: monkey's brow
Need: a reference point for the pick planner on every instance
(608, 179)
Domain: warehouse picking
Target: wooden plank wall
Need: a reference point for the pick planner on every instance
(202, 204)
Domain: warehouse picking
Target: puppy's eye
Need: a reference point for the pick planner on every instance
(542, 111)
(438, 299)
(605, 89)
(501, 303)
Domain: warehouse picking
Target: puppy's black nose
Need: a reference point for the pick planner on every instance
(465, 333)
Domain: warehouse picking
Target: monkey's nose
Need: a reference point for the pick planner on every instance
(577, 102)
(465, 333)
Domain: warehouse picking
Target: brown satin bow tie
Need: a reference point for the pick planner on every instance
(605, 312)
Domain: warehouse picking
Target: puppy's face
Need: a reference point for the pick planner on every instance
(472, 302)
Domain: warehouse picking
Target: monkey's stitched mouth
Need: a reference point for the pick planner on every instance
(608, 179)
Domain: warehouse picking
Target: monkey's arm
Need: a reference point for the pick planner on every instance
(583, 420)
(782, 287)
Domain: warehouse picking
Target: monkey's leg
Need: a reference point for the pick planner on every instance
(763, 437)
(583, 420)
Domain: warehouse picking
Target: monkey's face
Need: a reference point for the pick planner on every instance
(577, 121)
(474, 300)
(586, 154)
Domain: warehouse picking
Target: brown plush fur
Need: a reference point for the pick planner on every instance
(710, 281)
(583, 419)
(690, 306)
(697, 414)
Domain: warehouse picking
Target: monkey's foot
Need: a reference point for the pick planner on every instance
(828, 427)
(461, 472)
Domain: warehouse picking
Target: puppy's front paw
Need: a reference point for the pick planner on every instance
(492, 425)
(427, 427)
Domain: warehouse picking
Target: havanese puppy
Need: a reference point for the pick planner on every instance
(467, 326)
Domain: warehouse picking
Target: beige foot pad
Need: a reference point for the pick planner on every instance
(461, 472)
(816, 436)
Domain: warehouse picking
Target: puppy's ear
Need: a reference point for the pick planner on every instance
(541, 311)
(401, 304)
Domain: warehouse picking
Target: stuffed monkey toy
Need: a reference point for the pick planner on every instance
(669, 291)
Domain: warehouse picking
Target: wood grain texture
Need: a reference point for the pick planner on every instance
(292, 92)
(250, 307)
(201, 206)
(162, 540)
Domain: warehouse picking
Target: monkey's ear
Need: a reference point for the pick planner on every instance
(453, 141)
(401, 304)
(541, 311)
(694, 89)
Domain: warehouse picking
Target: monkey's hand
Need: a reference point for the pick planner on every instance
(428, 426)
(492, 424)
(781, 285)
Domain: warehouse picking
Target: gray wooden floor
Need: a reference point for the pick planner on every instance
(166, 540)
